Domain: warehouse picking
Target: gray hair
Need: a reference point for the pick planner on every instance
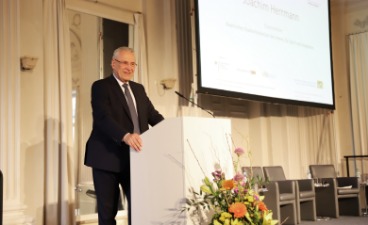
(121, 49)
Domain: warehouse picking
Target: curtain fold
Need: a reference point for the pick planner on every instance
(59, 177)
(298, 137)
(358, 58)
(139, 46)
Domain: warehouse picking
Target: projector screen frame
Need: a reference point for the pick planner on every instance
(253, 97)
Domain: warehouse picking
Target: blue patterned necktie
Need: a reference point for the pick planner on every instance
(133, 112)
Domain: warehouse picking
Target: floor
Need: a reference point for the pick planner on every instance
(342, 220)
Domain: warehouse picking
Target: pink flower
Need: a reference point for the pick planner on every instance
(217, 175)
(238, 177)
(239, 151)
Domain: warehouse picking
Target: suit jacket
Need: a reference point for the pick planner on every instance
(111, 121)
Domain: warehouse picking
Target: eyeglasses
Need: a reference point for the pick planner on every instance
(126, 63)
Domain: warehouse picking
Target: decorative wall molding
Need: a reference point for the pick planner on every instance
(13, 211)
(362, 23)
(118, 10)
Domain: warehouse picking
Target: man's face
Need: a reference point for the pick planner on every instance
(123, 65)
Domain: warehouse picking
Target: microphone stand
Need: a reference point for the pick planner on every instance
(182, 96)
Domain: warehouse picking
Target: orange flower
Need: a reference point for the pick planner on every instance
(262, 206)
(239, 209)
(228, 184)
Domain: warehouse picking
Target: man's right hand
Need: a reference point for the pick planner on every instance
(134, 141)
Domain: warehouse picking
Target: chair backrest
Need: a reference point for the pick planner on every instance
(274, 173)
(254, 171)
(322, 171)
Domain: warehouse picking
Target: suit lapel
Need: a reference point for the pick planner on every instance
(120, 95)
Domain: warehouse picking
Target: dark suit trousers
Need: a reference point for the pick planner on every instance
(107, 192)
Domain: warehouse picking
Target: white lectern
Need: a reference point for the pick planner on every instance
(177, 154)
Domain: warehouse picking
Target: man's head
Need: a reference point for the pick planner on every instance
(123, 63)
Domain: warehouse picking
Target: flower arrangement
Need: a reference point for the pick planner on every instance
(232, 201)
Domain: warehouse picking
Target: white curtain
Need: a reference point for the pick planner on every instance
(139, 46)
(358, 57)
(59, 190)
(294, 137)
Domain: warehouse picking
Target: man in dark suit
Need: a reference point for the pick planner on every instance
(114, 132)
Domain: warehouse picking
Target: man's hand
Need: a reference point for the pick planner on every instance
(134, 141)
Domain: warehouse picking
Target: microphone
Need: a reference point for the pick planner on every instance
(182, 96)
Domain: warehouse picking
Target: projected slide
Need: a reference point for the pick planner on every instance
(275, 48)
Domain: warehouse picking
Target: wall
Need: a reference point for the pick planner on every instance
(348, 17)
(161, 53)
(32, 110)
(344, 141)
(162, 63)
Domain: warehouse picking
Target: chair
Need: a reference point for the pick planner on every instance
(335, 195)
(305, 193)
(279, 196)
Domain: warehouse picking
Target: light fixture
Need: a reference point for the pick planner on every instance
(168, 83)
(28, 63)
